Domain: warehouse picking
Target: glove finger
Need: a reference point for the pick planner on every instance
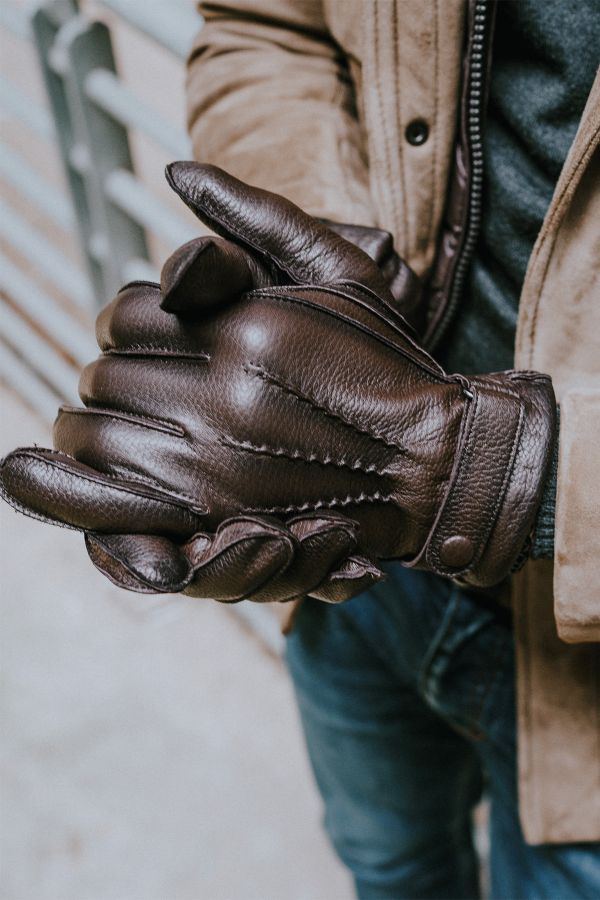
(144, 563)
(245, 554)
(153, 564)
(298, 244)
(133, 447)
(355, 575)
(227, 566)
(323, 541)
(49, 485)
(208, 273)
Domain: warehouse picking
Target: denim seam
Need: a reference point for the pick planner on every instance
(496, 670)
(425, 667)
(473, 714)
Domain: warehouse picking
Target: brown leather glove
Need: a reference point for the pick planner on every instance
(208, 272)
(295, 400)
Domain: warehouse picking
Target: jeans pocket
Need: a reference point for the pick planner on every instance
(469, 664)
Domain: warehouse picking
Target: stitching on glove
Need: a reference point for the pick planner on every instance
(138, 282)
(494, 510)
(117, 486)
(297, 456)
(263, 373)
(465, 450)
(391, 317)
(508, 473)
(377, 497)
(468, 448)
(26, 511)
(135, 419)
(145, 480)
(428, 364)
(153, 350)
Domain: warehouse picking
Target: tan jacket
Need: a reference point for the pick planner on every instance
(311, 98)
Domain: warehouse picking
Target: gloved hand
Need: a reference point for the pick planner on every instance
(199, 278)
(249, 558)
(294, 400)
(208, 272)
(185, 273)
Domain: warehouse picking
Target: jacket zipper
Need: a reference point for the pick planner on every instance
(476, 75)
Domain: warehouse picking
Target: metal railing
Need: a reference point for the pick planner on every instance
(106, 210)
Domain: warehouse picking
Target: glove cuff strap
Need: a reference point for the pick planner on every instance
(503, 452)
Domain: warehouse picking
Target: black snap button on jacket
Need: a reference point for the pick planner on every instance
(417, 132)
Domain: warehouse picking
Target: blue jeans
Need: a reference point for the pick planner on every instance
(407, 699)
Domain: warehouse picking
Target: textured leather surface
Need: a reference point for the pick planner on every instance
(203, 438)
(405, 286)
(208, 272)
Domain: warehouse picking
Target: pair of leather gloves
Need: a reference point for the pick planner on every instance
(264, 423)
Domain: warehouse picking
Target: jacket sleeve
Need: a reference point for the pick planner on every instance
(577, 534)
(557, 332)
(271, 100)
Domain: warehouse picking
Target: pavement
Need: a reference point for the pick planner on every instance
(150, 748)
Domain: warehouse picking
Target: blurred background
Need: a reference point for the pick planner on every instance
(150, 747)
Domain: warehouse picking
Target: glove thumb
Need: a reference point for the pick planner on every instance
(272, 228)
